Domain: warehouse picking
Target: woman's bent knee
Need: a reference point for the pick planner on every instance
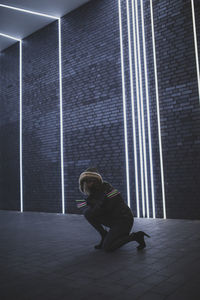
(107, 248)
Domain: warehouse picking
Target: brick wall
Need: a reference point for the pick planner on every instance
(179, 106)
(41, 121)
(93, 109)
(9, 129)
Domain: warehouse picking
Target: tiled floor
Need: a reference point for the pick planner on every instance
(51, 256)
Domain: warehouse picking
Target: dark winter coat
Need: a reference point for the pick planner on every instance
(108, 203)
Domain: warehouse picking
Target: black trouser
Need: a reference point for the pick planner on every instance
(118, 234)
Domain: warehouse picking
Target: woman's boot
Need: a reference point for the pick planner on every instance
(139, 237)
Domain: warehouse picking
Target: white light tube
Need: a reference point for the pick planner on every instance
(196, 47)
(20, 144)
(148, 114)
(142, 112)
(61, 115)
(9, 37)
(133, 108)
(138, 104)
(28, 11)
(124, 101)
(158, 111)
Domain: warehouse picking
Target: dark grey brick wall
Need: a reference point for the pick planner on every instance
(9, 129)
(93, 109)
(179, 107)
(41, 121)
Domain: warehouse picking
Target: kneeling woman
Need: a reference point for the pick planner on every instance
(107, 207)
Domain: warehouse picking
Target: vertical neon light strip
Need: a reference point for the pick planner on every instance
(196, 47)
(158, 110)
(138, 104)
(142, 112)
(148, 114)
(124, 101)
(133, 107)
(20, 101)
(137, 85)
(61, 115)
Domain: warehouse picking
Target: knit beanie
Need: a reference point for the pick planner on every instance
(89, 173)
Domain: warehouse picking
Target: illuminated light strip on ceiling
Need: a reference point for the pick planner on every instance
(148, 114)
(196, 47)
(9, 37)
(20, 109)
(138, 104)
(158, 111)
(133, 107)
(60, 87)
(142, 113)
(124, 101)
(28, 11)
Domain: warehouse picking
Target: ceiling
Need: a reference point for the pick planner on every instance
(21, 24)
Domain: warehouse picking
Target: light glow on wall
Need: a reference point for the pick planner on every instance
(124, 102)
(133, 108)
(60, 88)
(20, 114)
(196, 47)
(158, 111)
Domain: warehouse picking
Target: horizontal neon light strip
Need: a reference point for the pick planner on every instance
(10, 37)
(29, 12)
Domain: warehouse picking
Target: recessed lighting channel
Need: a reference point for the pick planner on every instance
(60, 88)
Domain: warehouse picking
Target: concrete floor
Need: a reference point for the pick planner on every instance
(52, 256)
